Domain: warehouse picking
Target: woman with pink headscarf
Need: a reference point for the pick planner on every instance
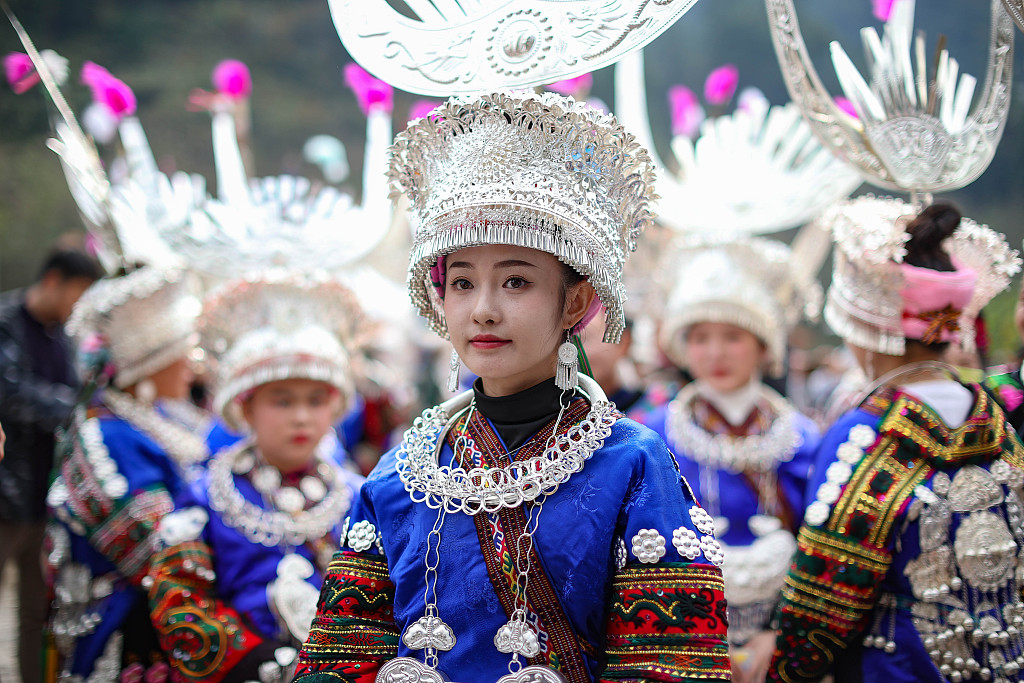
(907, 560)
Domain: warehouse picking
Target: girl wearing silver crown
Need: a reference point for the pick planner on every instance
(745, 447)
(907, 565)
(523, 530)
(122, 464)
(270, 507)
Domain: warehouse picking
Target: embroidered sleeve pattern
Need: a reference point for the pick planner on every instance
(91, 497)
(845, 546)
(204, 638)
(354, 630)
(667, 623)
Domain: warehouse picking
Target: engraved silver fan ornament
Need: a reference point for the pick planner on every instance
(469, 46)
(755, 171)
(915, 131)
(1015, 8)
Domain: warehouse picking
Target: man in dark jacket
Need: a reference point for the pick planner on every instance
(38, 388)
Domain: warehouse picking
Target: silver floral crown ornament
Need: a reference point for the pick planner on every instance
(751, 282)
(472, 46)
(286, 221)
(864, 305)
(146, 319)
(277, 325)
(758, 170)
(913, 132)
(538, 171)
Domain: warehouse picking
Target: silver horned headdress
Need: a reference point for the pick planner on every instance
(914, 132)
(864, 305)
(752, 283)
(471, 46)
(538, 171)
(276, 326)
(146, 320)
(754, 171)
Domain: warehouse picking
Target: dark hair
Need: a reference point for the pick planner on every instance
(927, 232)
(71, 264)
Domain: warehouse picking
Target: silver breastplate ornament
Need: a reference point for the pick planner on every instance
(966, 581)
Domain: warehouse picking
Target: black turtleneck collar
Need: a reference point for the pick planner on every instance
(519, 416)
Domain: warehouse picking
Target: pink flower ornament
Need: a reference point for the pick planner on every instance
(20, 72)
(421, 108)
(846, 106)
(576, 87)
(371, 93)
(687, 114)
(109, 91)
(721, 85)
(232, 79)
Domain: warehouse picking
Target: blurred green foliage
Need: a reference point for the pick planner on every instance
(165, 48)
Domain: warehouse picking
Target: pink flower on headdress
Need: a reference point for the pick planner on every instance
(371, 93)
(421, 108)
(109, 91)
(21, 73)
(687, 114)
(93, 343)
(158, 673)
(132, 673)
(846, 106)
(577, 87)
(721, 85)
(232, 79)
(882, 9)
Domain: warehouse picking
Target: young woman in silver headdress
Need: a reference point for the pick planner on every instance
(907, 567)
(122, 464)
(523, 530)
(269, 507)
(746, 448)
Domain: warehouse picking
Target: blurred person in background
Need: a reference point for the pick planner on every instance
(38, 387)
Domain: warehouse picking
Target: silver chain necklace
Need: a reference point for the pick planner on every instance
(491, 489)
(272, 527)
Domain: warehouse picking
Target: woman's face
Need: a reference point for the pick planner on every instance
(289, 418)
(505, 313)
(722, 355)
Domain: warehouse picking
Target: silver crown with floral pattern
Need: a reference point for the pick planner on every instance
(539, 171)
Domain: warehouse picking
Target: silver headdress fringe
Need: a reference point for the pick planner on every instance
(146, 318)
(538, 171)
(751, 283)
(864, 305)
(275, 326)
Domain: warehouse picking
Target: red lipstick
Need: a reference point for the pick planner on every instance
(488, 341)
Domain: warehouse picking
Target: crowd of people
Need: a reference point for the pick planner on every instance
(229, 458)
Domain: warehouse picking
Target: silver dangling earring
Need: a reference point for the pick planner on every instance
(453, 372)
(567, 376)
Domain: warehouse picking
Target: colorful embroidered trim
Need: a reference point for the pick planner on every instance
(204, 637)
(832, 584)
(560, 647)
(354, 630)
(667, 623)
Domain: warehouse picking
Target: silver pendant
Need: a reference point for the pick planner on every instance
(985, 551)
(408, 670)
(292, 598)
(534, 674)
(517, 637)
(429, 633)
(973, 490)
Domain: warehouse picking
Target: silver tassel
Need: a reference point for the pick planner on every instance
(567, 374)
(453, 372)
